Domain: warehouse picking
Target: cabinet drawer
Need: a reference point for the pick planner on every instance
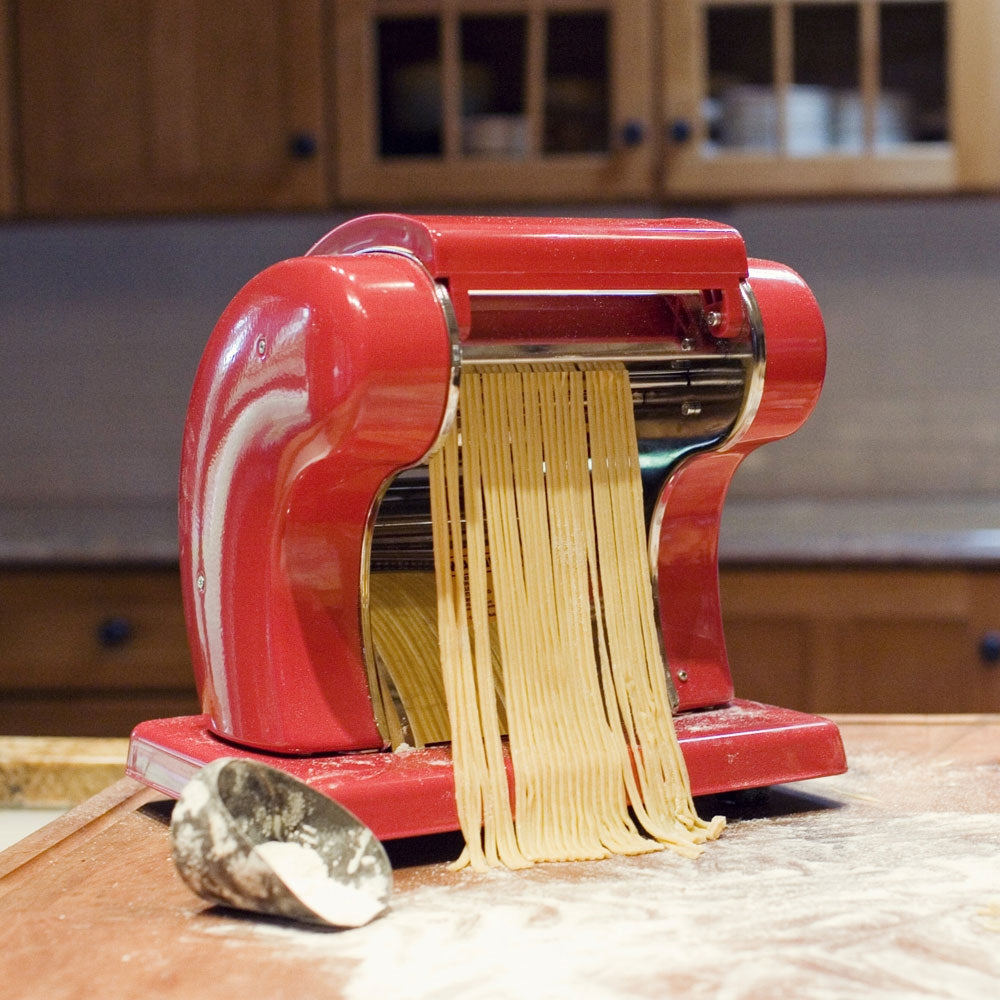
(859, 639)
(79, 629)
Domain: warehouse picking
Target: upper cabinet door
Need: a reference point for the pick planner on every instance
(169, 105)
(493, 101)
(786, 97)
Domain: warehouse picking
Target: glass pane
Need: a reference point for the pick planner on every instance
(577, 105)
(742, 107)
(825, 93)
(826, 43)
(914, 102)
(493, 74)
(409, 79)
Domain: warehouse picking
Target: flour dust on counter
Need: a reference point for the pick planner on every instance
(839, 897)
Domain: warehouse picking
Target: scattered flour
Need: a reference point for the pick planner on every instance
(304, 872)
(824, 908)
(851, 898)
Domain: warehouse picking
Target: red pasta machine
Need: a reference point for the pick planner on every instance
(329, 380)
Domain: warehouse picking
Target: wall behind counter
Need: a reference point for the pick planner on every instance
(102, 324)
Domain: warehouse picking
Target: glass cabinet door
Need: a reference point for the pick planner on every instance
(483, 101)
(798, 96)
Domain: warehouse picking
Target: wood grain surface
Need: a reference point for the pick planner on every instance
(883, 882)
(57, 772)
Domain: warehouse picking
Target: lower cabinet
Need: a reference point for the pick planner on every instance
(92, 652)
(858, 639)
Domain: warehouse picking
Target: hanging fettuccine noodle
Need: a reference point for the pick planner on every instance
(543, 595)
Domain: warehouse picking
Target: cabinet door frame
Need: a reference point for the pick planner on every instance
(362, 175)
(974, 43)
(688, 171)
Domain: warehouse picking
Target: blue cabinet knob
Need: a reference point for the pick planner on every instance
(114, 632)
(680, 130)
(989, 648)
(302, 145)
(633, 133)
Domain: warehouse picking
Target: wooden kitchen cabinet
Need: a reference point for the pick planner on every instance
(91, 652)
(114, 107)
(8, 197)
(480, 101)
(778, 98)
(860, 639)
(168, 105)
(701, 99)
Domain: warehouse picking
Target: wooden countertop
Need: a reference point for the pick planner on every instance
(41, 772)
(884, 882)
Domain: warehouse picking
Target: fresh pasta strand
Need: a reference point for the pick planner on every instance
(537, 513)
(404, 624)
(660, 793)
(481, 789)
(404, 630)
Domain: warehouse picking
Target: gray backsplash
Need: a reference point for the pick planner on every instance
(103, 324)
(910, 292)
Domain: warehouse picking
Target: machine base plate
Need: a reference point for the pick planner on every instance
(740, 745)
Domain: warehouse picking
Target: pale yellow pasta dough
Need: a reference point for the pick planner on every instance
(542, 578)
(403, 615)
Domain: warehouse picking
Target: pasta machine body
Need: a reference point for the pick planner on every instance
(329, 380)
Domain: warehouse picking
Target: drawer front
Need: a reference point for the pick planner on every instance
(865, 639)
(104, 629)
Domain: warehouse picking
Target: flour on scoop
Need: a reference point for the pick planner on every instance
(305, 874)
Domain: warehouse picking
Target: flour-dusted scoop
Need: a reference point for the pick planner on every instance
(247, 835)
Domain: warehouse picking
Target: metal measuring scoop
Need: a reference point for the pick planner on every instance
(247, 835)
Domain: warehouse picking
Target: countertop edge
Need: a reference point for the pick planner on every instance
(938, 530)
(57, 772)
